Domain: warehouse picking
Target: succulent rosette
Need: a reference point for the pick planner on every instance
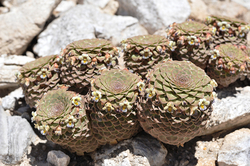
(114, 96)
(141, 53)
(61, 116)
(247, 72)
(176, 102)
(190, 41)
(84, 59)
(228, 30)
(38, 77)
(227, 64)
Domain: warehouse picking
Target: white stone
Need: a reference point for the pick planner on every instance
(7, 76)
(9, 66)
(82, 22)
(235, 149)
(63, 7)
(19, 26)
(8, 103)
(16, 135)
(132, 152)
(155, 15)
(231, 111)
(58, 158)
(17, 60)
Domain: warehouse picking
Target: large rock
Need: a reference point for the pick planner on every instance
(235, 150)
(22, 24)
(16, 135)
(142, 150)
(230, 110)
(85, 22)
(9, 66)
(154, 15)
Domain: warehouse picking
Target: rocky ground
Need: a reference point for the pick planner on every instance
(33, 28)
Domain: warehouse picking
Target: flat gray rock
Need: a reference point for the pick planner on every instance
(26, 21)
(155, 15)
(143, 150)
(230, 110)
(85, 22)
(235, 149)
(16, 135)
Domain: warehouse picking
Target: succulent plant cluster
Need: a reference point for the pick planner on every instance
(84, 99)
(114, 95)
(61, 116)
(228, 63)
(141, 53)
(228, 30)
(82, 60)
(38, 77)
(177, 102)
(215, 46)
(190, 41)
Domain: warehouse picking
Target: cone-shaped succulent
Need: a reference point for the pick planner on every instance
(84, 59)
(227, 64)
(247, 51)
(38, 77)
(192, 42)
(141, 53)
(177, 102)
(113, 113)
(61, 116)
(228, 30)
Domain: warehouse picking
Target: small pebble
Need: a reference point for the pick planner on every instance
(58, 158)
